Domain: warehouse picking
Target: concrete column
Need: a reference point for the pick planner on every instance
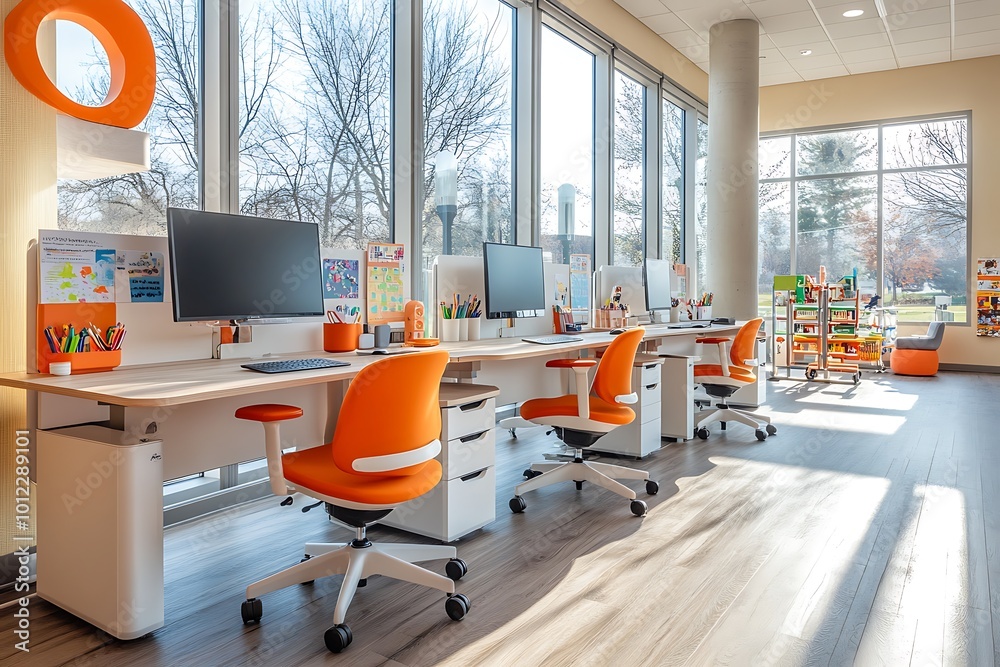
(733, 94)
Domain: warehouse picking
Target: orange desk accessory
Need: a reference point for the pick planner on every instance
(413, 313)
(81, 316)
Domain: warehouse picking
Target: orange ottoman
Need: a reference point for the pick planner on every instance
(914, 362)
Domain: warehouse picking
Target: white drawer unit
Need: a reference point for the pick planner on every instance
(465, 499)
(642, 436)
(677, 402)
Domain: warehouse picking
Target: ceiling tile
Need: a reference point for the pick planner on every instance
(976, 9)
(797, 37)
(970, 26)
(684, 38)
(897, 8)
(856, 28)
(696, 54)
(702, 19)
(867, 55)
(919, 18)
(863, 42)
(872, 66)
(824, 48)
(977, 51)
(664, 23)
(778, 79)
(988, 38)
(680, 5)
(785, 22)
(825, 72)
(768, 8)
(833, 14)
(925, 58)
(778, 67)
(921, 34)
(816, 62)
(642, 8)
(918, 48)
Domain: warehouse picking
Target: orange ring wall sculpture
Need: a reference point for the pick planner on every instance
(119, 30)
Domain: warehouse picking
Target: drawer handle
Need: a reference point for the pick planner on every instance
(473, 475)
(652, 386)
(472, 406)
(475, 436)
(650, 367)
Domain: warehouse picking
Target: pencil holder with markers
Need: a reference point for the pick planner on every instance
(86, 335)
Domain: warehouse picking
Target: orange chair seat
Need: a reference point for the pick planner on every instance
(269, 412)
(923, 363)
(315, 469)
(565, 406)
(714, 370)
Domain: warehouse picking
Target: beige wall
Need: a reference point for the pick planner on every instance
(958, 86)
(27, 203)
(628, 31)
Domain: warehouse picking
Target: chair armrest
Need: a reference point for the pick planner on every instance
(271, 415)
(571, 363)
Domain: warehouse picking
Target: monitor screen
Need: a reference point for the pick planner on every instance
(656, 278)
(515, 281)
(235, 267)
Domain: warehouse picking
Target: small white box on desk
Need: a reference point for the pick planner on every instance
(465, 498)
(100, 530)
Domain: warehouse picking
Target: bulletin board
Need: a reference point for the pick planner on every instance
(579, 286)
(385, 283)
(988, 297)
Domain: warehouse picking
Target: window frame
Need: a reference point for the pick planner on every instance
(880, 172)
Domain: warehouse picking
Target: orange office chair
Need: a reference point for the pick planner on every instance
(722, 380)
(581, 419)
(372, 465)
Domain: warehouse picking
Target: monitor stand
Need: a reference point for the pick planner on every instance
(660, 316)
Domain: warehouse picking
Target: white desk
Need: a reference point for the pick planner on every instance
(177, 402)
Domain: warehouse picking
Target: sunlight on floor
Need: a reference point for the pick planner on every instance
(881, 400)
(848, 422)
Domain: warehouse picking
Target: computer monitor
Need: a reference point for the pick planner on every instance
(656, 279)
(515, 281)
(236, 267)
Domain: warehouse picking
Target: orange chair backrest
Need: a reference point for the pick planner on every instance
(614, 374)
(745, 343)
(391, 406)
(119, 30)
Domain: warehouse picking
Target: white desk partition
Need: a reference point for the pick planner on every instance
(630, 279)
(452, 275)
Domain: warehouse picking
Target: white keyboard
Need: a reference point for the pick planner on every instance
(553, 339)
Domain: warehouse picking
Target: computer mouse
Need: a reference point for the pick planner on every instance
(615, 332)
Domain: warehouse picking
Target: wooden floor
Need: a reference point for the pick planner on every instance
(865, 532)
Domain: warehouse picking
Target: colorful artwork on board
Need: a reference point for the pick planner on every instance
(139, 277)
(385, 289)
(988, 297)
(341, 278)
(579, 283)
(75, 270)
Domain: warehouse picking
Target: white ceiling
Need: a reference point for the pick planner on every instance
(889, 35)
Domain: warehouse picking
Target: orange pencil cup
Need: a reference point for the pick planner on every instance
(341, 337)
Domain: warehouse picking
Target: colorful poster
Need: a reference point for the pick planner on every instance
(139, 278)
(385, 293)
(341, 278)
(74, 269)
(579, 283)
(988, 297)
(561, 294)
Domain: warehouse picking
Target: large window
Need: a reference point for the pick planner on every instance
(567, 146)
(468, 111)
(911, 249)
(629, 221)
(314, 135)
(137, 203)
(673, 182)
(701, 208)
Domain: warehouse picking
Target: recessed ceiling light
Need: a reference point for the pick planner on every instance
(763, 57)
(805, 52)
(853, 13)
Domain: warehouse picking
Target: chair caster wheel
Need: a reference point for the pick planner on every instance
(857, 377)
(457, 607)
(652, 488)
(771, 429)
(760, 434)
(530, 474)
(579, 484)
(310, 582)
(456, 569)
(252, 610)
(638, 507)
(338, 637)
(517, 504)
(811, 374)
(513, 433)
(702, 433)
(362, 583)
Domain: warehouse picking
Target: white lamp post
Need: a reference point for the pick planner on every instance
(446, 195)
(567, 217)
